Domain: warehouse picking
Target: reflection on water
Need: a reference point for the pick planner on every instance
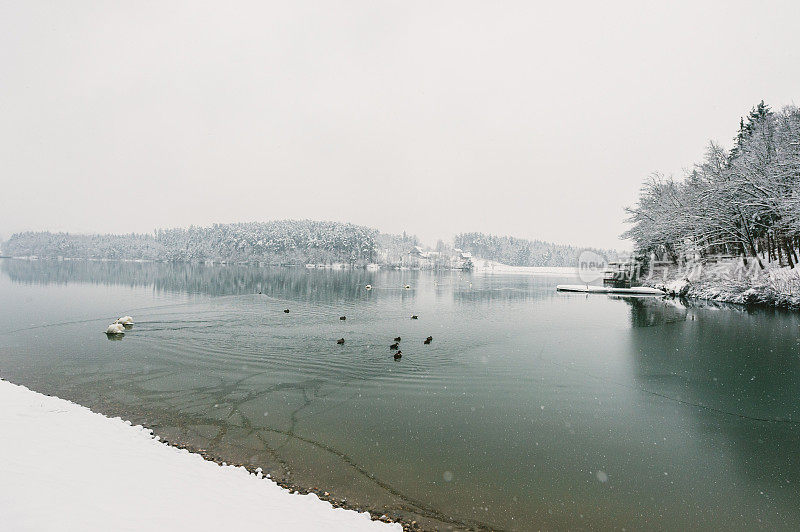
(196, 278)
(652, 311)
(530, 409)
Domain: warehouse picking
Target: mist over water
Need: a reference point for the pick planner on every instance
(530, 408)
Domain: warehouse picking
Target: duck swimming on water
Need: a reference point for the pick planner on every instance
(428, 340)
(340, 341)
(398, 355)
(394, 346)
(342, 318)
(414, 317)
(286, 311)
(397, 339)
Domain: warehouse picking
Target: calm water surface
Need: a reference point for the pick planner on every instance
(530, 409)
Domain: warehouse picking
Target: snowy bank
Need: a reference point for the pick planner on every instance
(732, 282)
(490, 266)
(65, 467)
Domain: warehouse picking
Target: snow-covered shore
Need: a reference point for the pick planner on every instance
(489, 266)
(64, 467)
(733, 282)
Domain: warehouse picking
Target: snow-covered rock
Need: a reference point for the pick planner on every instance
(115, 328)
(678, 287)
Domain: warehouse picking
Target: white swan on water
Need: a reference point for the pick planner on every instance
(115, 328)
(125, 320)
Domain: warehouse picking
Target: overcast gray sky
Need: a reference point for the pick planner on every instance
(538, 120)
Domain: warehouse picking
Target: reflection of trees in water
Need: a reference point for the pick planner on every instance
(275, 281)
(45, 272)
(734, 374)
(281, 282)
(651, 311)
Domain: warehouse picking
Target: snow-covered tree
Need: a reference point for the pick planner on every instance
(746, 201)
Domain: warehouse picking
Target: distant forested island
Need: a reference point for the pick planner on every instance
(283, 241)
(289, 242)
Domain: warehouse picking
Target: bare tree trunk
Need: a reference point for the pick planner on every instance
(788, 253)
(752, 248)
(770, 251)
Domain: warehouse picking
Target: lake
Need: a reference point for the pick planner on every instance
(529, 409)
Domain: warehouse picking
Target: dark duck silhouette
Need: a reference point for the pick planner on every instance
(397, 339)
(340, 341)
(342, 318)
(428, 340)
(286, 311)
(414, 317)
(398, 355)
(394, 346)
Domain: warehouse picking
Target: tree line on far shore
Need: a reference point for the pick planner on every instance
(523, 252)
(281, 242)
(744, 201)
